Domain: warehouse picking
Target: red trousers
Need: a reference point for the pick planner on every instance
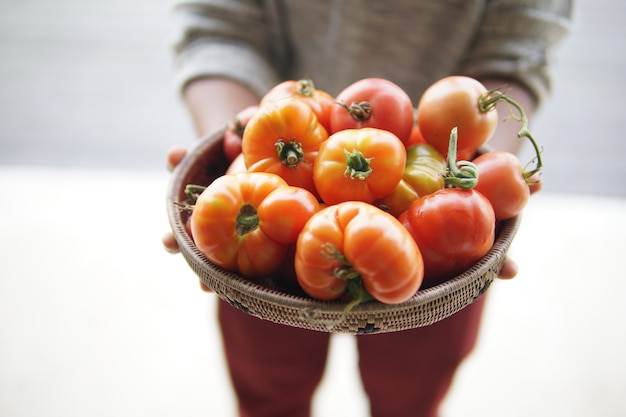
(275, 369)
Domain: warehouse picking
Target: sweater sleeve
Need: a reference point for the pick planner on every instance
(221, 38)
(516, 40)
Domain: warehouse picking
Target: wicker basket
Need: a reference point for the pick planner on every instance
(271, 300)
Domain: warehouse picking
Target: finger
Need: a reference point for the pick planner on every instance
(169, 243)
(174, 156)
(509, 269)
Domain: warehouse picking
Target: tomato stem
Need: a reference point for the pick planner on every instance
(488, 102)
(193, 191)
(357, 165)
(360, 111)
(346, 272)
(247, 220)
(305, 88)
(461, 174)
(290, 153)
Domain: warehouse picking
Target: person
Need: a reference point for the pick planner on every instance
(228, 54)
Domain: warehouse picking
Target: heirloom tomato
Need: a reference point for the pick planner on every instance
(453, 228)
(454, 102)
(228, 230)
(359, 164)
(284, 212)
(501, 180)
(234, 132)
(320, 101)
(373, 102)
(354, 244)
(424, 174)
(283, 138)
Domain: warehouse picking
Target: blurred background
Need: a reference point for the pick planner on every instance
(96, 319)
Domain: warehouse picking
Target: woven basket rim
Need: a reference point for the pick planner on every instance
(240, 292)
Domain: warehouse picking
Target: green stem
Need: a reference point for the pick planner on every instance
(193, 191)
(357, 165)
(346, 272)
(488, 102)
(305, 88)
(461, 174)
(290, 153)
(247, 220)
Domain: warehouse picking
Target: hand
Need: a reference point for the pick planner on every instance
(174, 156)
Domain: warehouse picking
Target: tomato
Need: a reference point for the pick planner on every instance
(454, 102)
(424, 174)
(355, 243)
(283, 138)
(237, 165)
(453, 228)
(358, 164)
(501, 180)
(234, 132)
(227, 228)
(320, 101)
(415, 137)
(373, 102)
(284, 212)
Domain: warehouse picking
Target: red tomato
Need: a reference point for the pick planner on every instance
(234, 132)
(416, 137)
(501, 180)
(373, 102)
(320, 101)
(454, 102)
(359, 164)
(453, 228)
(283, 138)
(355, 242)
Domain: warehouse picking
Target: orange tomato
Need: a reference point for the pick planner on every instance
(359, 164)
(245, 222)
(356, 244)
(320, 101)
(283, 138)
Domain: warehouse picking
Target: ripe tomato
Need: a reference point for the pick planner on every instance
(357, 243)
(320, 101)
(359, 164)
(501, 180)
(227, 228)
(283, 138)
(454, 102)
(373, 102)
(424, 174)
(284, 212)
(415, 137)
(453, 228)
(234, 132)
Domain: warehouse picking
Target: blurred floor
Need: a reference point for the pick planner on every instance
(96, 320)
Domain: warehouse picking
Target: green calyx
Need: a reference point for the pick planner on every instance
(461, 174)
(357, 165)
(290, 153)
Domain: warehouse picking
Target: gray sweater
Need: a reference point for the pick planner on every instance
(336, 42)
